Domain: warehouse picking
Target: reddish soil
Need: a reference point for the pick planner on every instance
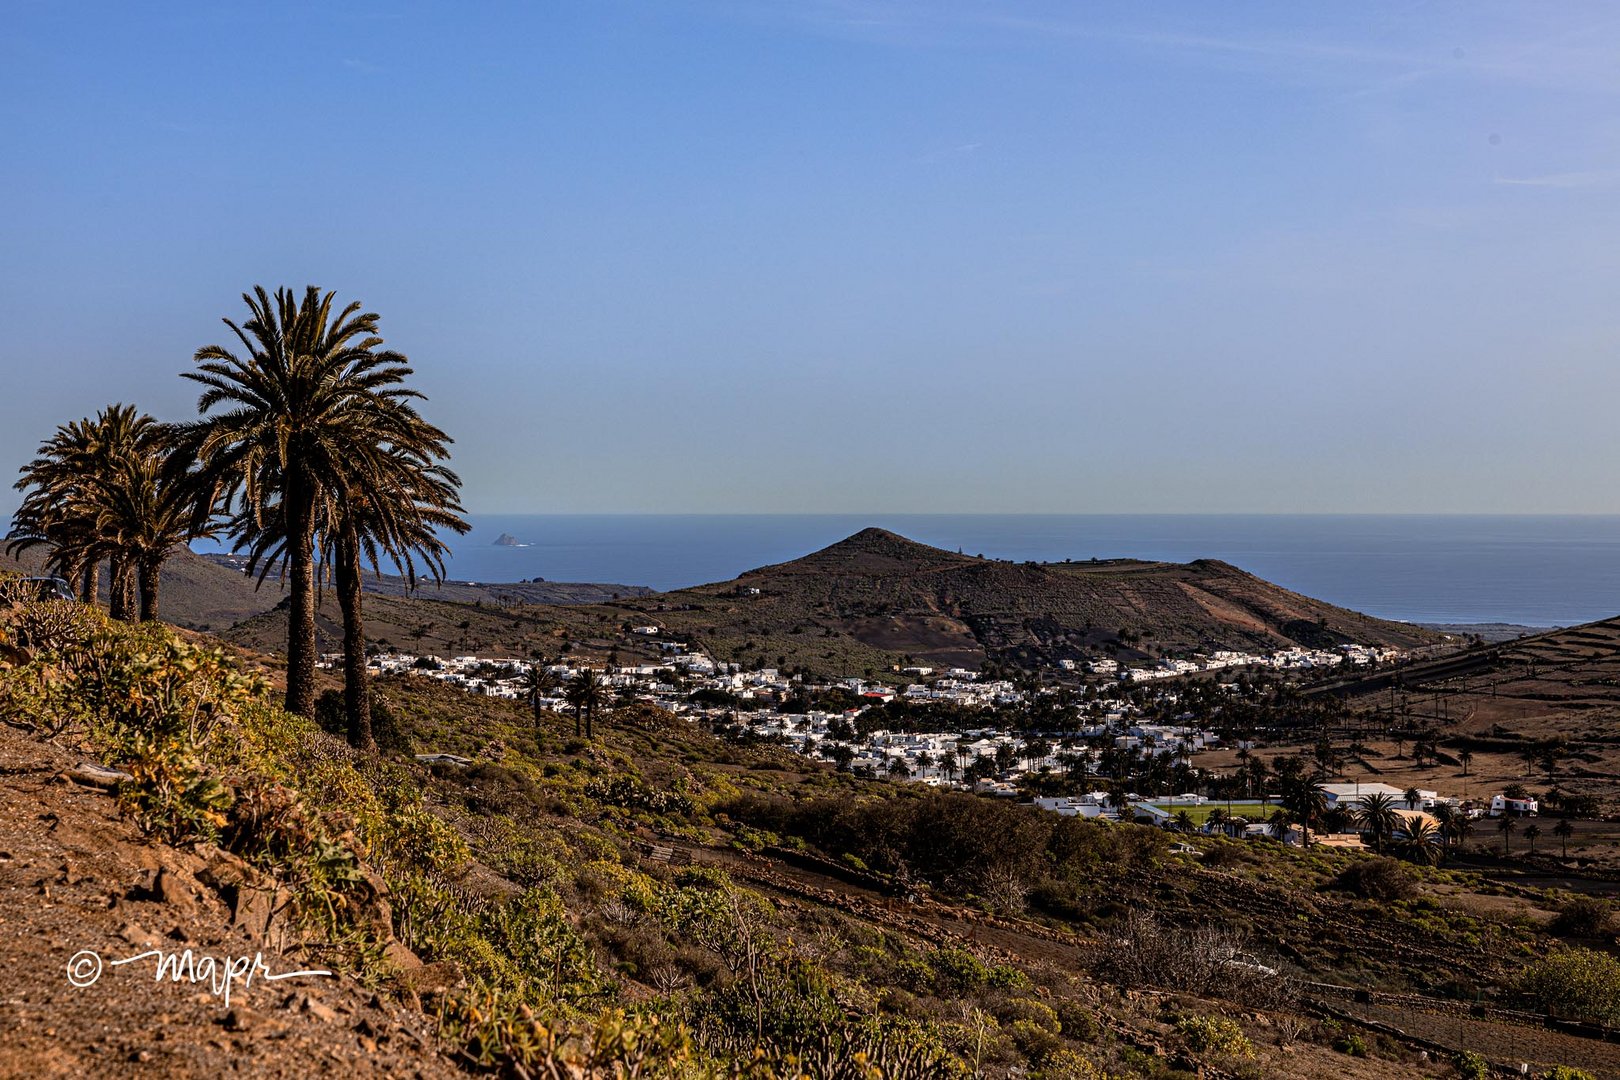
(75, 876)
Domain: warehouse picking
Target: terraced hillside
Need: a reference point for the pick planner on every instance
(1565, 679)
(1506, 705)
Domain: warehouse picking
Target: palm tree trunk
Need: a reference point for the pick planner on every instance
(151, 572)
(90, 581)
(301, 614)
(356, 686)
(121, 592)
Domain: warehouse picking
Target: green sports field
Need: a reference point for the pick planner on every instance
(1254, 811)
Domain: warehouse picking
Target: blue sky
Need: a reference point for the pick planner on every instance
(856, 255)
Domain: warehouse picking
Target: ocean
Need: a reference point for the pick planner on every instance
(1531, 570)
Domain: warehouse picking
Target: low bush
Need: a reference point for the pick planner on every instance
(1584, 916)
(1216, 1035)
(1577, 983)
(1380, 878)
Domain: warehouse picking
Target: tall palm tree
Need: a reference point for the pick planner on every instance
(1506, 827)
(1564, 830)
(305, 416)
(1531, 832)
(401, 523)
(104, 489)
(585, 694)
(1377, 816)
(55, 513)
(1446, 818)
(1302, 797)
(539, 683)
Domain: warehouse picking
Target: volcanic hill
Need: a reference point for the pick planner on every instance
(902, 598)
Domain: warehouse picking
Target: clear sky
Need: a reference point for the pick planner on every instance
(858, 255)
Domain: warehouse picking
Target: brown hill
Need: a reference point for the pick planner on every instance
(1563, 682)
(194, 592)
(877, 596)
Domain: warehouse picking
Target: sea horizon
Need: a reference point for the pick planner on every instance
(1527, 569)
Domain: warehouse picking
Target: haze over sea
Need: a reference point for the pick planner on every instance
(1533, 570)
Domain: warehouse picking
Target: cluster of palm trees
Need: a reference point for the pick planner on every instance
(308, 452)
(107, 490)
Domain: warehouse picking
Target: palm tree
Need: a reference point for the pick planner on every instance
(400, 524)
(1421, 842)
(304, 419)
(585, 694)
(1464, 828)
(1184, 822)
(152, 508)
(1119, 799)
(1413, 798)
(1446, 818)
(539, 683)
(1466, 756)
(1531, 832)
(55, 513)
(1564, 830)
(1506, 827)
(1377, 816)
(105, 489)
(1303, 799)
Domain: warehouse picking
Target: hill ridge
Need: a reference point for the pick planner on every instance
(904, 598)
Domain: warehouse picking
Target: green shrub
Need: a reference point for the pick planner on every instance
(497, 1032)
(1380, 878)
(1215, 1034)
(1352, 1044)
(169, 794)
(1068, 1065)
(1578, 983)
(1584, 916)
(1473, 1065)
(957, 971)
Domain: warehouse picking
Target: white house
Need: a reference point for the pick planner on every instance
(1351, 796)
(1502, 805)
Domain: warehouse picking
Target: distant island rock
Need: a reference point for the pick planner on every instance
(508, 540)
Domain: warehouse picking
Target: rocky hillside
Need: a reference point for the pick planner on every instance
(658, 902)
(79, 878)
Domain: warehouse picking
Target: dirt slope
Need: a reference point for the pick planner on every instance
(75, 876)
